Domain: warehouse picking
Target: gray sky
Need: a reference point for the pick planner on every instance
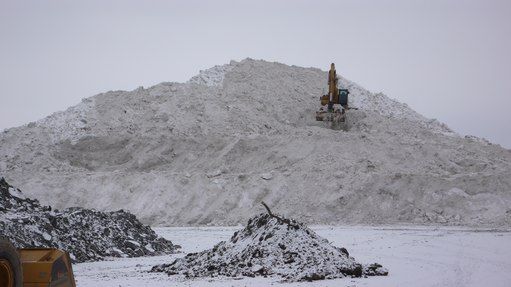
(449, 60)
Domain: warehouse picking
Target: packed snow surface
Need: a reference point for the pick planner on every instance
(206, 152)
(270, 245)
(419, 256)
(88, 235)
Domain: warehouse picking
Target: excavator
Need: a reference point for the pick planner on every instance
(335, 103)
(34, 267)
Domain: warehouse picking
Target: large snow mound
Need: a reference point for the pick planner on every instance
(207, 151)
(88, 235)
(272, 245)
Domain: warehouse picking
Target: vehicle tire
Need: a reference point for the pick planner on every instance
(10, 266)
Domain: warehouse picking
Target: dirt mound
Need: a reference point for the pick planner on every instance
(271, 245)
(88, 235)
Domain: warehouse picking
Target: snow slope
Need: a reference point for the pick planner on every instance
(209, 150)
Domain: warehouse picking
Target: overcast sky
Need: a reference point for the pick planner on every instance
(449, 60)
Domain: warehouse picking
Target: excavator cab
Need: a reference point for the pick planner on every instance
(343, 97)
(34, 267)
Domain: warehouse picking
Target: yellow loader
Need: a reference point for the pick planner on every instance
(34, 267)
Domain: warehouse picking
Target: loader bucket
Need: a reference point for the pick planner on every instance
(10, 266)
(46, 267)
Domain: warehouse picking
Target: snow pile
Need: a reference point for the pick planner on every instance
(87, 235)
(207, 151)
(272, 245)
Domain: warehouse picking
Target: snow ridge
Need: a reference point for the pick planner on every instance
(380, 103)
(213, 76)
(70, 124)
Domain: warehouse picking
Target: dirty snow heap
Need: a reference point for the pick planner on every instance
(88, 235)
(271, 245)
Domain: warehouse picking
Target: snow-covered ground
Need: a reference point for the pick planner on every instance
(415, 256)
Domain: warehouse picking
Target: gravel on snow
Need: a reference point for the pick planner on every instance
(272, 245)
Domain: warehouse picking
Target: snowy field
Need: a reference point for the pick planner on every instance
(415, 256)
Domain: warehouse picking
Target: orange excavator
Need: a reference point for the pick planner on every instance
(34, 267)
(335, 103)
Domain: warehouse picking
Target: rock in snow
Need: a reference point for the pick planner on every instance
(88, 235)
(272, 246)
(203, 152)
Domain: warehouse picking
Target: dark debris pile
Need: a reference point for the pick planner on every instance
(271, 245)
(88, 235)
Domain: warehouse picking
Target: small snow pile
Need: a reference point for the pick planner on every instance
(88, 235)
(213, 76)
(272, 245)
